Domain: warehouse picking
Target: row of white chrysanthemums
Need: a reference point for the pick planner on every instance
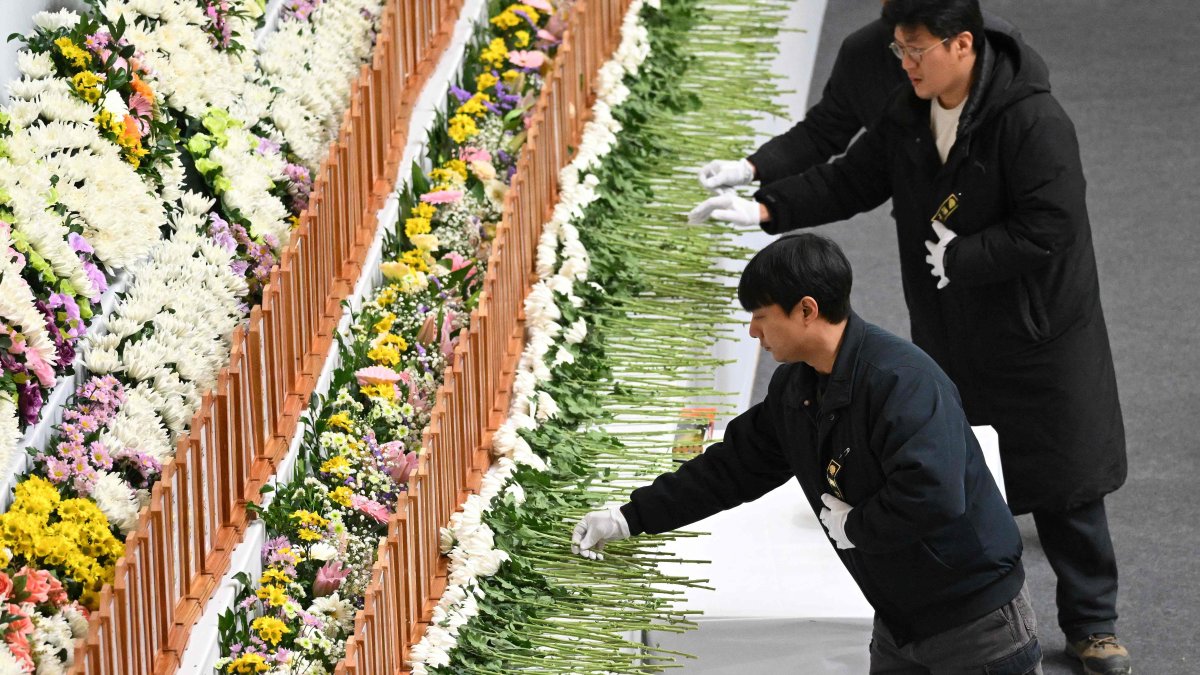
(184, 287)
(468, 541)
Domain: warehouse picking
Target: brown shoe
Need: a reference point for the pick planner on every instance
(1101, 655)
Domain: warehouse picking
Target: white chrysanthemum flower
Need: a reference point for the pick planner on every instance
(517, 492)
(117, 501)
(196, 203)
(35, 65)
(77, 621)
(563, 355)
(322, 551)
(54, 21)
(114, 104)
(547, 407)
(10, 429)
(576, 332)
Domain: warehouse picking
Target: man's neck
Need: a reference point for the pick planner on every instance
(830, 343)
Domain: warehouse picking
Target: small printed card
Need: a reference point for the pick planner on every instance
(694, 428)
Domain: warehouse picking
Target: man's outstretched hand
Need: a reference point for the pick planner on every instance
(596, 529)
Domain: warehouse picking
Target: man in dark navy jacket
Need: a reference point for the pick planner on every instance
(875, 433)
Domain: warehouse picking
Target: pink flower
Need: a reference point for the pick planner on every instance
(442, 197)
(370, 507)
(546, 35)
(6, 587)
(376, 375)
(142, 110)
(404, 467)
(37, 584)
(447, 341)
(457, 262)
(472, 154)
(57, 594)
(531, 60)
(35, 362)
(20, 626)
(329, 578)
(18, 644)
(540, 5)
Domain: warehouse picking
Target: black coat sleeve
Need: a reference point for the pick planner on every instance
(853, 183)
(920, 431)
(825, 131)
(1046, 190)
(746, 465)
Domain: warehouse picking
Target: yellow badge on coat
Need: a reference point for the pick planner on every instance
(947, 209)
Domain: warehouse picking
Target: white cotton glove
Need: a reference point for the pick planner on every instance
(937, 253)
(833, 517)
(596, 529)
(729, 207)
(723, 173)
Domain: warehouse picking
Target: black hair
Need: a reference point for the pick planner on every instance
(942, 18)
(793, 267)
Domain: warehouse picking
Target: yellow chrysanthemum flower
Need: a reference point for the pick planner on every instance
(383, 390)
(384, 324)
(274, 575)
(270, 629)
(485, 81)
(79, 58)
(473, 106)
(521, 39)
(337, 464)
(391, 339)
(495, 53)
(339, 420)
(275, 596)
(415, 226)
(341, 495)
(248, 663)
(424, 210)
(462, 127)
(415, 259)
(458, 166)
(384, 355)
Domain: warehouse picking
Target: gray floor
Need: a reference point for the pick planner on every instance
(1129, 75)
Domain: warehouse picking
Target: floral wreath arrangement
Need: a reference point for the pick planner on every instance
(622, 319)
(324, 526)
(97, 176)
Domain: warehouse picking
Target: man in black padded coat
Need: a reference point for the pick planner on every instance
(983, 169)
(875, 434)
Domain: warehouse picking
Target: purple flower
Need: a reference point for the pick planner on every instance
(267, 146)
(219, 230)
(70, 314)
(239, 267)
(79, 244)
(461, 94)
(64, 348)
(29, 401)
(97, 278)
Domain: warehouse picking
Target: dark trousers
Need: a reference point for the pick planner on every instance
(1002, 642)
(1080, 551)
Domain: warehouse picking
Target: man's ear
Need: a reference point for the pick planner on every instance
(809, 308)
